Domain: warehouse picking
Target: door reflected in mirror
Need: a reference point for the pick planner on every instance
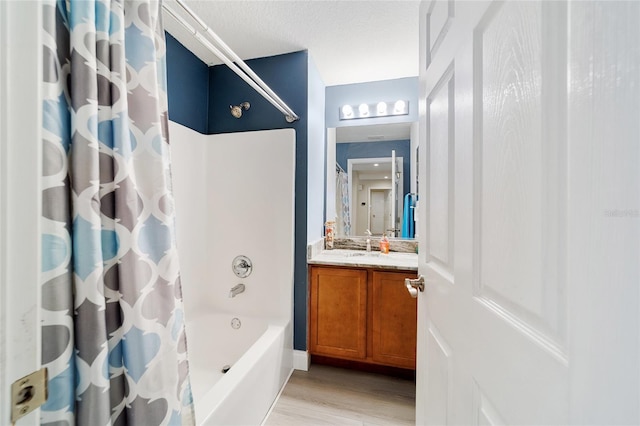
(371, 179)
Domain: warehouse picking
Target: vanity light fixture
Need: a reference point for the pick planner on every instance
(399, 107)
(347, 111)
(373, 110)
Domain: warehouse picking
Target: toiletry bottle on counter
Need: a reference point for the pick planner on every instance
(384, 244)
(328, 235)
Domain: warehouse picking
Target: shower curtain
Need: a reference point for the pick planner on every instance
(342, 204)
(113, 336)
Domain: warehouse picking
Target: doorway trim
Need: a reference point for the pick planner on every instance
(20, 198)
(352, 202)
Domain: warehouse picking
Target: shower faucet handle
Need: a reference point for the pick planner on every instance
(241, 266)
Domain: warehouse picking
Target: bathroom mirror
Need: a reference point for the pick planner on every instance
(371, 179)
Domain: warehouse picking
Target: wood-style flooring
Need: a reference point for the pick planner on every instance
(335, 396)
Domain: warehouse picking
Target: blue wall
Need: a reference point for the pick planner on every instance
(345, 151)
(372, 92)
(187, 86)
(287, 75)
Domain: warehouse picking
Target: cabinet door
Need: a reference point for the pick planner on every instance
(338, 312)
(394, 314)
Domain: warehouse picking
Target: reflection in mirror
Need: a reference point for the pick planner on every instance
(374, 183)
(371, 183)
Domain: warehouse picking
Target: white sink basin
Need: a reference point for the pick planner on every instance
(362, 254)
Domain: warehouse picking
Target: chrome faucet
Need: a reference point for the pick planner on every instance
(236, 290)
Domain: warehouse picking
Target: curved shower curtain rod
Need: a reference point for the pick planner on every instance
(230, 58)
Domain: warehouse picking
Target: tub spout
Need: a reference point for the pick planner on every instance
(236, 290)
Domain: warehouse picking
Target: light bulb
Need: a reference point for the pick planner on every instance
(399, 107)
(364, 110)
(382, 108)
(347, 111)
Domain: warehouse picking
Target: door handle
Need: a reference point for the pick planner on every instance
(413, 286)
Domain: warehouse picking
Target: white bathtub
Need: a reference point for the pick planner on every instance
(260, 361)
(231, 202)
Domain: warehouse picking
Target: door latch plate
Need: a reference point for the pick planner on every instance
(28, 393)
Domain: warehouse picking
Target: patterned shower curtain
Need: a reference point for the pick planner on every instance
(113, 336)
(342, 203)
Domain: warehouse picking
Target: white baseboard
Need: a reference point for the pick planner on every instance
(301, 360)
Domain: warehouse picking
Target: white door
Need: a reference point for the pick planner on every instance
(529, 213)
(376, 211)
(20, 169)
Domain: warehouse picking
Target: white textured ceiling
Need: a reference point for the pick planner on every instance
(350, 41)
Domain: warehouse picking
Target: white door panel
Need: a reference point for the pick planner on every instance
(439, 386)
(441, 122)
(530, 182)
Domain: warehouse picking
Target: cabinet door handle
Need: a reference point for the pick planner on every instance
(414, 285)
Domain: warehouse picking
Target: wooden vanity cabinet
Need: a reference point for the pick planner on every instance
(338, 314)
(394, 320)
(363, 315)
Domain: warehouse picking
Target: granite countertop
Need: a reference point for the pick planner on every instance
(364, 259)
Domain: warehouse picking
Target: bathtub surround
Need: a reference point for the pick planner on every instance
(113, 335)
(225, 209)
